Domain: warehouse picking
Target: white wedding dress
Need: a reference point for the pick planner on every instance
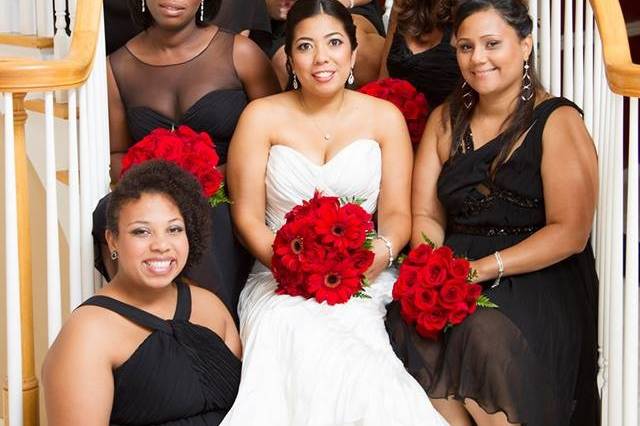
(311, 364)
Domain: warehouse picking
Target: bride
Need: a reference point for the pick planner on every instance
(307, 363)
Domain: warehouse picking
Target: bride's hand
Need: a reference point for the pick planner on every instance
(380, 261)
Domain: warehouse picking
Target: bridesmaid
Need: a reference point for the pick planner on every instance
(148, 349)
(184, 70)
(507, 176)
(418, 48)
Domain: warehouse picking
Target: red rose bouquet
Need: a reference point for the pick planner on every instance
(435, 291)
(192, 151)
(409, 101)
(323, 250)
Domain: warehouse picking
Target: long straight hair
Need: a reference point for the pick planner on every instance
(516, 14)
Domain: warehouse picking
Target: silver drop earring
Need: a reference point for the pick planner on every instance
(295, 82)
(114, 255)
(201, 10)
(527, 90)
(351, 78)
(467, 96)
(143, 7)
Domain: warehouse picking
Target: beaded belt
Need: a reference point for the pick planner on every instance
(490, 231)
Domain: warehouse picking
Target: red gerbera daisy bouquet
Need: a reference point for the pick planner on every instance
(409, 101)
(435, 291)
(190, 150)
(323, 250)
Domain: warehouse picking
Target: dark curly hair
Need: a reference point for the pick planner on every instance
(303, 9)
(163, 177)
(144, 19)
(418, 17)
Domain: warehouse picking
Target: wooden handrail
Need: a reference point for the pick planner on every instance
(27, 75)
(622, 74)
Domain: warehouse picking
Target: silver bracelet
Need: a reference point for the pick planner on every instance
(496, 283)
(387, 244)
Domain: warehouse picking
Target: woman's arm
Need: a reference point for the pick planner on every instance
(393, 24)
(570, 180)
(429, 216)
(394, 217)
(76, 375)
(119, 138)
(246, 170)
(254, 69)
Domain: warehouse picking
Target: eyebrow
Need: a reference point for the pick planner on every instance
(482, 36)
(326, 36)
(144, 222)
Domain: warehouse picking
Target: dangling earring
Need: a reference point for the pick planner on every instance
(295, 82)
(143, 7)
(527, 90)
(201, 10)
(114, 255)
(351, 78)
(467, 96)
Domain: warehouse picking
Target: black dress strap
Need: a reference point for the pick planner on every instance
(144, 318)
(541, 114)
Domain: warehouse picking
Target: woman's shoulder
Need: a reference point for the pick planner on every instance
(208, 310)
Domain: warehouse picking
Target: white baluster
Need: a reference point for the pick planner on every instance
(75, 256)
(567, 46)
(556, 49)
(12, 277)
(27, 22)
(588, 69)
(388, 5)
(72, 13)
(545, 44)
(533, 12)
(630, 415)
(54, 301)
(45, 16)
(86, 200)
(579, 77)
(61, 41)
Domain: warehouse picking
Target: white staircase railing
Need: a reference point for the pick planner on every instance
(571, 62)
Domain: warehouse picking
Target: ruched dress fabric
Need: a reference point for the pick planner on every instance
(182, 374)
(307, 363)
(534, 357)
(433, 72)
(205, 94)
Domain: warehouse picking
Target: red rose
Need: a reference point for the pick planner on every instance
(435, 272)
(408, 310)
(430, 324)
(453, 292)
(458, 313)
(425, 299)
(459, 268)
(407, 281)
(419, 255)
(473, 293)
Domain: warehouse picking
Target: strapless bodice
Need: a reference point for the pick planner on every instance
(355, 171)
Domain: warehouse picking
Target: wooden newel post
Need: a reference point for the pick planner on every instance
(29, 381)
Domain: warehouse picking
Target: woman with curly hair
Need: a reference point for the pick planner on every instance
(149, 348)
(418, 48)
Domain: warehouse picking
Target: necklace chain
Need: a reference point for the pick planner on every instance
(325, 135)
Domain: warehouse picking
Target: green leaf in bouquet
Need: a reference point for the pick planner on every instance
(368, 242)
(400, 259)
(362, 295)
(473, 274)
(427, 240)
(485, 302)
(219, 197)
(352, 200)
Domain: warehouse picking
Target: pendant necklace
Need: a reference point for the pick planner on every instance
(325, 135)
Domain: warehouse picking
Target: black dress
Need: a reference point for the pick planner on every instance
(206, 94)
(434, 72)
(535, 356)
(182, 374)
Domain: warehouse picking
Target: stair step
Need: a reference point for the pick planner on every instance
(60, 110)
(23, 40)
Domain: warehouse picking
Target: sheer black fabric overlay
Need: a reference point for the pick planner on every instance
(535, 357)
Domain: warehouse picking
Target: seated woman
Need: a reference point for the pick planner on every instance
(367, 17)
(418, 48)
(507, 176)
(149, 348)
(182, 70)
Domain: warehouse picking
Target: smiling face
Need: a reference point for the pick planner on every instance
(173, 13)
(152, 243)
(490, 53)
(321, 54)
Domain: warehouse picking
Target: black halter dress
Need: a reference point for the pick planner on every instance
(182, 374)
